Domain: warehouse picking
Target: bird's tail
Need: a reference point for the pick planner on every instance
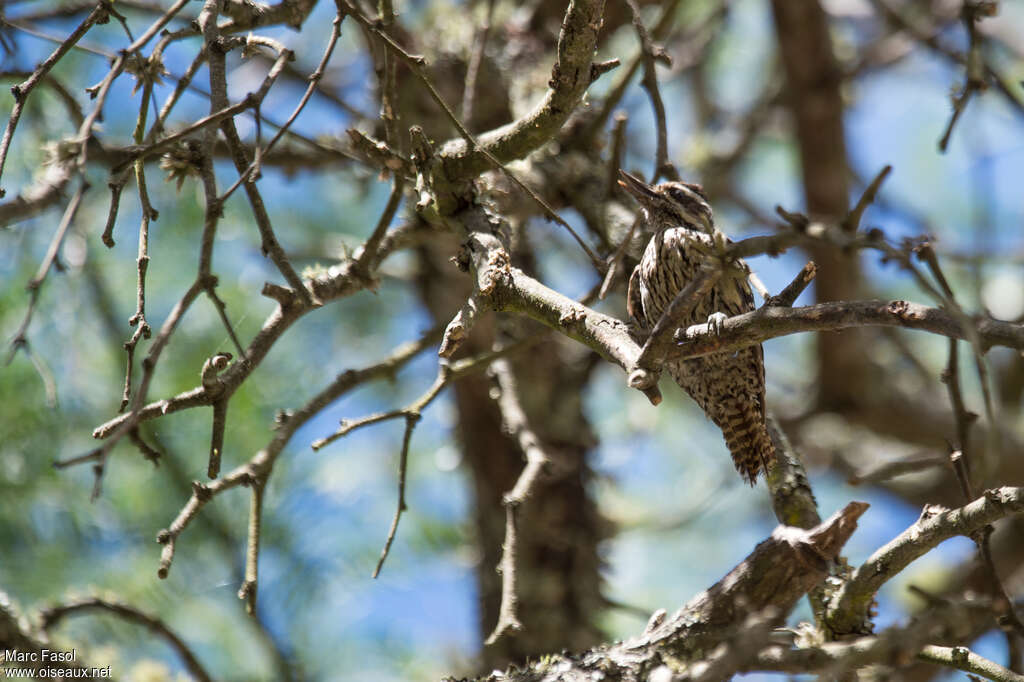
(746, 434)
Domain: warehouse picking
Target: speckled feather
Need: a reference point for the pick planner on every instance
(729, 387)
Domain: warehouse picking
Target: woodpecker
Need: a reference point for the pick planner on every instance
(729, 387)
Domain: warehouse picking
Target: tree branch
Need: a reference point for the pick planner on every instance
(773, 577)
(848, 612)
(52, 616)
(570, 78)
(768, 323)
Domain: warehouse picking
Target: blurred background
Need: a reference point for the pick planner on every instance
(766, 104)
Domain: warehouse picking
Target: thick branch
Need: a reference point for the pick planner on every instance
(570, 77)
(895, 646)
(848, 612)
(963, 659)
(506, 288)
(772, 578)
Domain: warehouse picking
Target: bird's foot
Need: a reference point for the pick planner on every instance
(715, 322)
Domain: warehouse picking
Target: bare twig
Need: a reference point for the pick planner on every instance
(851, 223)
(360, 267)
(894, 645)
(975, 82)
(926, 253)
(218, 100)
(660, 30)
(411, 419)
(338, 284)
(515, 420)
(446, 374)
(287, 424)
(618, 152)
(252, 172)
(652, 54)
(138, 320)
(962, 460)
(930, 39)
(211, 383)
(771, 322)
(787, 297)
(50, 617)
(20, 339)
(22, 91)
(247, 592)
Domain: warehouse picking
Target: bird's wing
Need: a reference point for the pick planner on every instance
(634, 302)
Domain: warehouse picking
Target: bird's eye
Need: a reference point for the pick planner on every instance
(684, 198)
(679, 195)
(690, 200)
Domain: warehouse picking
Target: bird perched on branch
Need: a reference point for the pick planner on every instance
(729, 387)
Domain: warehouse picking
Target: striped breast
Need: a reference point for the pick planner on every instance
(729, 387)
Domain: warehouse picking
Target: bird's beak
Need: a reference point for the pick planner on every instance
(640, 190)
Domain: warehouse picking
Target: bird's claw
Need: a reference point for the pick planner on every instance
(715, 322)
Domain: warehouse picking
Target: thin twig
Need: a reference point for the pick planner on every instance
(288, 422)
(962, 459)
(218, 100)
(335, 286)
(930, 38)
(314, 82)
(247, 592)
(446, 374)
(518, 425)
(138, 320)
(851, 223)
(360, 267)
(618, 147)
(51, 616)
(618, 90)
(766, 323)
(787, 297)
(22, 91)
(974, 83)
(926, 253)
(411, 419)
(652, 54)
(20, 339)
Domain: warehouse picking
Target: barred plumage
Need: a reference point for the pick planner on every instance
(728, 387)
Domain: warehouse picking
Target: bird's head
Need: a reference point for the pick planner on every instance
(670, 204)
